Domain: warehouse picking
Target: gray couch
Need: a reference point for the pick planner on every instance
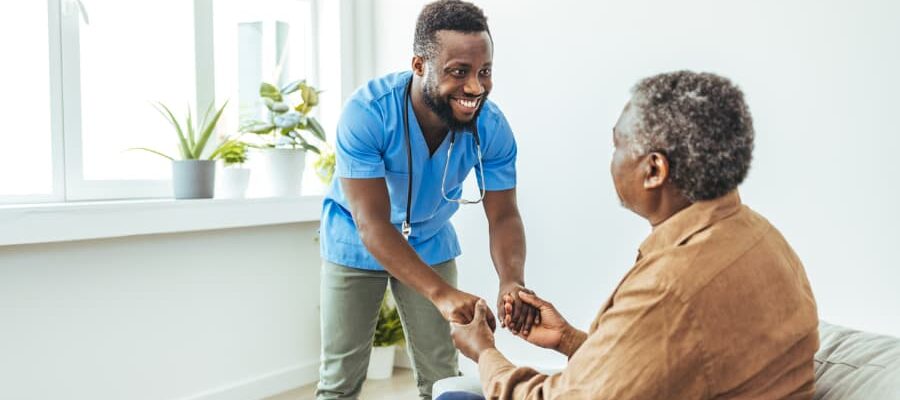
(850, 365)
(854, 365)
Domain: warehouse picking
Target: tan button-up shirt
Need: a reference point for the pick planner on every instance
(716, 306)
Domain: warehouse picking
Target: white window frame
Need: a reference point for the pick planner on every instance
(76, 186)
(333, 69)
(57, 192)
(339, 29)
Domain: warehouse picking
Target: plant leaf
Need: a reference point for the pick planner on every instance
(232, 151)
(287, 120)
(309, 147)
(279, 107)
(166, 113)
(258, 127)
(152, 151)
(190, 130)
(310, 96)
(292, 87)
(269, 91)
(206, 132)
(209, 109)
(303, 108)
(314, 127)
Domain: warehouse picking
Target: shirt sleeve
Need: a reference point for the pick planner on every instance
(499, 157)
(643, 348)
(360, 142)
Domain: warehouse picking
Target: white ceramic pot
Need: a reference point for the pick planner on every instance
(193, 179)
(232, 183)
(381, 363)
(284, 168)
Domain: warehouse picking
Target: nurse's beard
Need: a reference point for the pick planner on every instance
(441, 106)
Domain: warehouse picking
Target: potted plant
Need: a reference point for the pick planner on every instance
(234, 179)
(193, 177)
(388, 333)
(325, 166)
(288, 132)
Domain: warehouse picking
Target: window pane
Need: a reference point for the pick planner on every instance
(134, 54)
(263, 41)
(255, 40)
(26, 165)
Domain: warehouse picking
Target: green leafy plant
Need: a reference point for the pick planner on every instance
(285, 124)
(389, 330)
(234, 152)
(325, 166)
(192, 139)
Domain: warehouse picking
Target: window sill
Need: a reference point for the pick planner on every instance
(59, 222)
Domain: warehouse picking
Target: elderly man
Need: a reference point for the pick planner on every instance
(717, 304)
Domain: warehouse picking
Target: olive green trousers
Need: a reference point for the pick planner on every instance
(350, 301)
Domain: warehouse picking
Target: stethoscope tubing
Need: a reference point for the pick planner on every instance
(406, 228)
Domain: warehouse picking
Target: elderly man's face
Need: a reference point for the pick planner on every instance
(626, 166)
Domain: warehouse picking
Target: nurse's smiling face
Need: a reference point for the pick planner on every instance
(458, 80)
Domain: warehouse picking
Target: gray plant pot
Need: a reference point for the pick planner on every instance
(194, 179)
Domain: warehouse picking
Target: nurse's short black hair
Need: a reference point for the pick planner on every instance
(701, 123)
(452, 15)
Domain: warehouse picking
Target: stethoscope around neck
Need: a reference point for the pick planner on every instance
(406, 229)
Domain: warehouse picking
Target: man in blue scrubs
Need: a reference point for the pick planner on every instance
(445, 101)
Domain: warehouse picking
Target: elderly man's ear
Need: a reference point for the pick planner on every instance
(656, 167)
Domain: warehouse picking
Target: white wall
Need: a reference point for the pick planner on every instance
(225, 314)
(821, 79)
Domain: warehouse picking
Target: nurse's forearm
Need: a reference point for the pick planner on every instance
(395, 254)
(508, 248)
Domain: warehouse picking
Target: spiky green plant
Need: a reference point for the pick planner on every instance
(192, 139)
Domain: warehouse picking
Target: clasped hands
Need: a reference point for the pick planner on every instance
(522, 312)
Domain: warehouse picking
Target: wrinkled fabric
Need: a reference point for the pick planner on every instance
(854, 365)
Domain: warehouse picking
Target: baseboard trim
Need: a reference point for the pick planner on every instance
(264, 385)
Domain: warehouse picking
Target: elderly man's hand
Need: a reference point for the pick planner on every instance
(474, 338)
(549, 331)
(514, 314)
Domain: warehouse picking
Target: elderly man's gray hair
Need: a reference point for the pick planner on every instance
(700, 122)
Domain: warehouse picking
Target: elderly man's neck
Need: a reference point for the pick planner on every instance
(668, 203)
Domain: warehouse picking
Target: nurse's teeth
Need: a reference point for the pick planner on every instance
(468, 103)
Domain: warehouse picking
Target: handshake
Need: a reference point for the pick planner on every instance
(525, 315)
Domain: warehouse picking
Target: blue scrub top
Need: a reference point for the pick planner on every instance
(371, 144)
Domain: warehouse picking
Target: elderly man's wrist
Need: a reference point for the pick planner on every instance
(571, 340)
(482, 351)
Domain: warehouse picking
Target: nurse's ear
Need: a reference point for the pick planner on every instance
(418, 66)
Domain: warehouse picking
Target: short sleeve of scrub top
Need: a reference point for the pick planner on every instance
(499, 156)
(360, 143)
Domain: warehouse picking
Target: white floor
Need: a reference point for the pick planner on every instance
(400, 386)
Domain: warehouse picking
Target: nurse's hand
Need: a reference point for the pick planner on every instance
(516, 315)
(459, 307)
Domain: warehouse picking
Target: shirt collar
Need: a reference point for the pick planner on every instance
(685, 223)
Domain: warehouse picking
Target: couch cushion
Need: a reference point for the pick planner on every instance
(853, 365)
